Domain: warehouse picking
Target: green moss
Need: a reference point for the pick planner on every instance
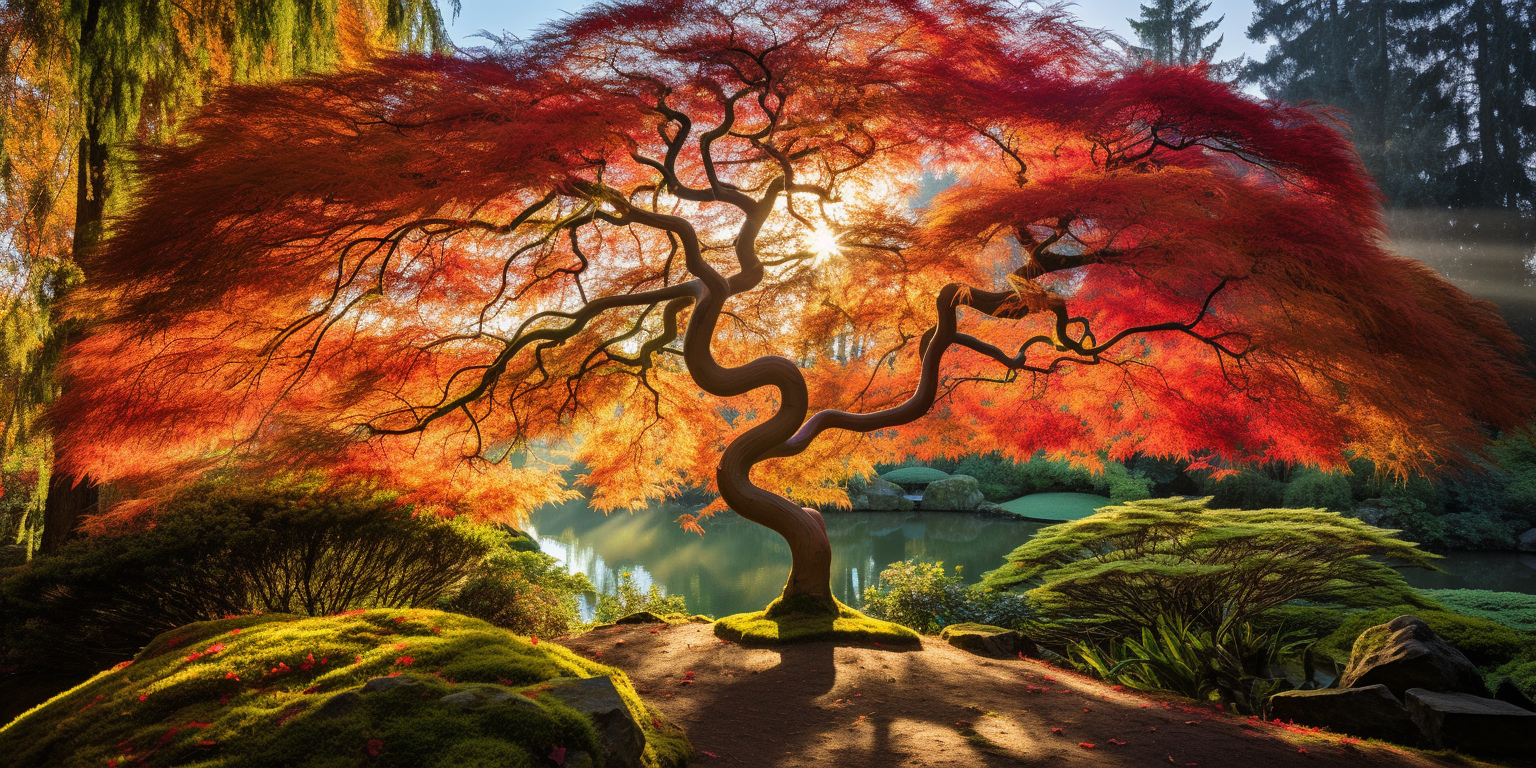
(253, 691)
(914, 476)
(774, 625)
(1515, 610)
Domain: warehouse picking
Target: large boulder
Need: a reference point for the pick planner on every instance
(883, 496)
(1472, 724)
(1405, 653)
(1371, 712)
(987, 640)
(955, 493)
(597, 698)
(1527, 541)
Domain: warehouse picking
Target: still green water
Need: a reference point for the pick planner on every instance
(739, 566)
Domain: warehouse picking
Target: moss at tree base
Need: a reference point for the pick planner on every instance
(288, 690)
(779, 623)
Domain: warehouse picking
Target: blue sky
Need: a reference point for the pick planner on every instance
(519, 17)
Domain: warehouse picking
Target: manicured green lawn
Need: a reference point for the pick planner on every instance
(1055, 506)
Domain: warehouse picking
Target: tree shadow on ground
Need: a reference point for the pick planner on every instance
(859, 705)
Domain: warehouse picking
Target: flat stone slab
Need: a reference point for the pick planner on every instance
(1472, 724)
(1371, 712)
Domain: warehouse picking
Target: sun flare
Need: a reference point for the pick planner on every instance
(823, 242)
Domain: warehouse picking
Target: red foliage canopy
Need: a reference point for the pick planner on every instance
(410, 272)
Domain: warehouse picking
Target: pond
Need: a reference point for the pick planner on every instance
(739, 566)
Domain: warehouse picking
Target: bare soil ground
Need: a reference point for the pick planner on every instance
(865, 706)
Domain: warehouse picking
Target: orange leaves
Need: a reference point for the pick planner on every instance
(449, 276)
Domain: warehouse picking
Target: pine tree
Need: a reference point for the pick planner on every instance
(1354, 56)
(1434, 91)
(1170, 32)
(1480, 55)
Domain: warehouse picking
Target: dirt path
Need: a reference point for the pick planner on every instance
(878, 707)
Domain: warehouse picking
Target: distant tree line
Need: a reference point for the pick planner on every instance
(1439, 95)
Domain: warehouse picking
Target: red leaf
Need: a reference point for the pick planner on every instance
(374, 747)
(557, 754)
(1085, 745)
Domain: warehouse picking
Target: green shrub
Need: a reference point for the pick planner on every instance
(1122, 485)
(1229, 665)
(1515, 610)
(628, 598)
(1313, 489)
(529, 593)
(922, 596)
(222, 550)
(997, 475)
(1515, 455)
(1126, 566)
(914, 476)
(283, 690)
(1474, 530)
(1247, 489)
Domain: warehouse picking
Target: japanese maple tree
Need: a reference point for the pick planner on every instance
(750, 246)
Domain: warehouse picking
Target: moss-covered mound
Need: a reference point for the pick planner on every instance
(287, 690)
(914, 476)
(771, 627)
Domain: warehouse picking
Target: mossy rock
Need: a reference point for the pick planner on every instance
(646, 617)
(775, 626)
(914, 476)
(295, 691)
(987, 640)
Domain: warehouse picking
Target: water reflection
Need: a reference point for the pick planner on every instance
(739, 566)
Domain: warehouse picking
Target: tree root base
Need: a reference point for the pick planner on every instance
(779, 624)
